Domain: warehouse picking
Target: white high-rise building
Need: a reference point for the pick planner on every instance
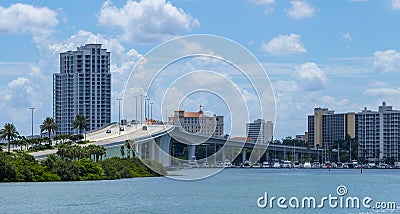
(260, 131)
(378, 134)
(83, 87)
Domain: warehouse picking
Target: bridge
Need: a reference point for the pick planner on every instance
(156, 142)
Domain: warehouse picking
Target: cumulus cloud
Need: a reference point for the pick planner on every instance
(395, 4)
(147, 21)
(311, 77)
(300, 9)
(387, 61)
(284, 44)
(25, 18)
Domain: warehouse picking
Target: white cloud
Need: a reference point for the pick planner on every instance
(346, 36)
(383, 92)
(284, 44)
(262, 1)
(395, 4)
(25, 18)
(147, 21)
(387, 61)
(311, 77)
(300, 9)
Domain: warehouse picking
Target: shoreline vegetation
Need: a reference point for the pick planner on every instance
(73, 166)
(72, 161)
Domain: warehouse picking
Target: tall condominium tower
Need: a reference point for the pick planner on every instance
(260, 131)
(325, 127)
(83, 87)
(378, 134)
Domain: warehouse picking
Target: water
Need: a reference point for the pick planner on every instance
(231, 191)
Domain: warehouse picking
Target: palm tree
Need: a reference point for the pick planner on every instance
(50, 126)
(99, 152)
(9, 132)
(80, 123)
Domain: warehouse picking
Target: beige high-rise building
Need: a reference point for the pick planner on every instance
(324, 127)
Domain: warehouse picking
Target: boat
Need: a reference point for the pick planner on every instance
(266, 164)
(296, 164)
(247, 164)
(276, 165)
(227, 163)
(316, 165)
(287, 164)
(307, 165)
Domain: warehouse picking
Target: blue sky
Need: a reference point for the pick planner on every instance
(343, 55)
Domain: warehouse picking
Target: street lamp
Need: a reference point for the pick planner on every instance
(148, 108)
(136, 109)
(31, 108)
(119, 115)
(141, 108)
(151, 111)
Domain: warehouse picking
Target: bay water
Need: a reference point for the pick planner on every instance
(230, 191)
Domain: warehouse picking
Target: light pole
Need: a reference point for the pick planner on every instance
(136, 108)
(141, 108)
(31, 108)
(145, 109)
(151, 111)
(350, 152)
(166, 115)
(119, 115)
(148, 108)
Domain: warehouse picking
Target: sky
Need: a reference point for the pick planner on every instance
(343, 55)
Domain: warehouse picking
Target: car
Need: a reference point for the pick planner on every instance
(108, 131)
(121, 129)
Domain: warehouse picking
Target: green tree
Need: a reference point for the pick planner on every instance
(80, 123)
(49, 125)
(9, 132)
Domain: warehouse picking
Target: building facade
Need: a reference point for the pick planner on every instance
(198, 122)
(325, 127)
(260, 131)
(83, 87)
(378, 134)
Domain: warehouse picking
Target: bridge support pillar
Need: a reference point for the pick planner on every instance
(243, 154)
(164, 153)
(191, 152)
(224, 154)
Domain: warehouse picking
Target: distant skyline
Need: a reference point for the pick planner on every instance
(342, 55)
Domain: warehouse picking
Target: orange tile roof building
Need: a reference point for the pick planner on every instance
(198, 122)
